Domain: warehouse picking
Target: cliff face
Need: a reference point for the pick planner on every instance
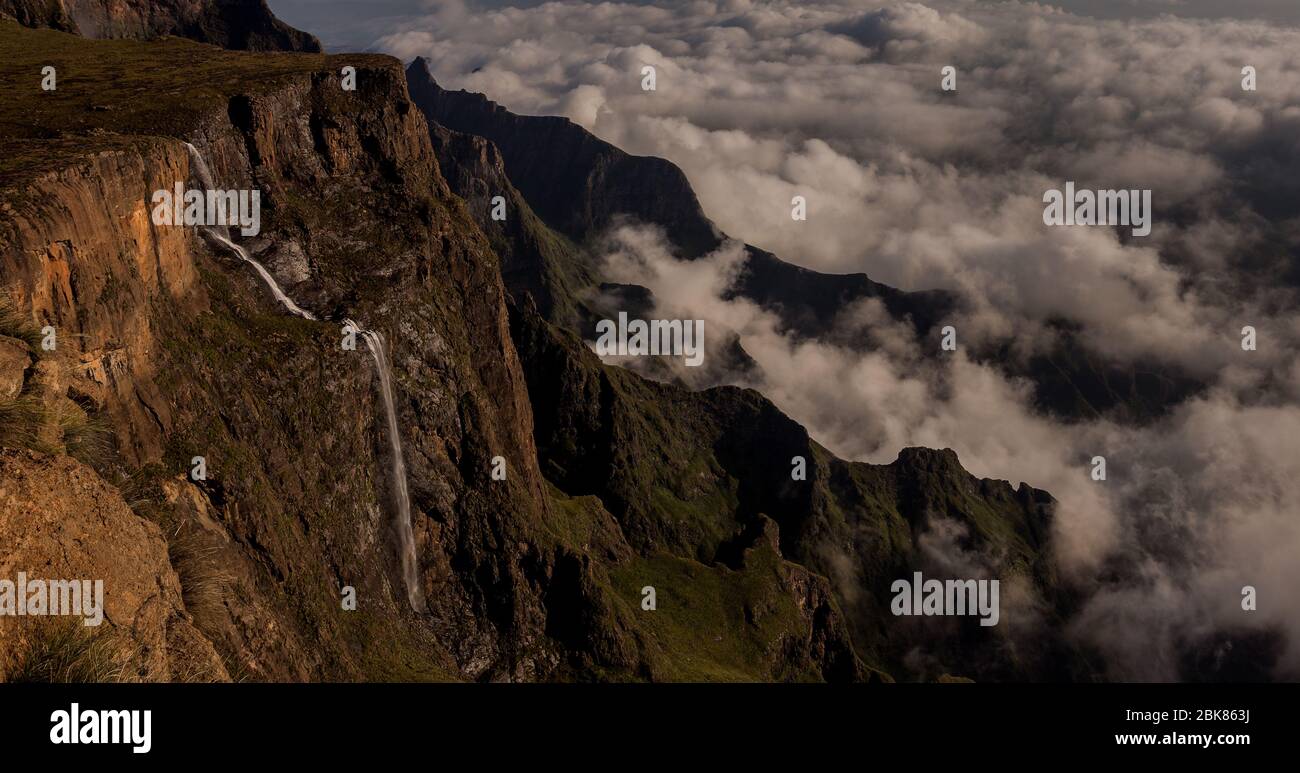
(171, 348)
(181, 351)
(246, 25)
(535, 260)
(559, 275)
(574, 181)
(579, 185)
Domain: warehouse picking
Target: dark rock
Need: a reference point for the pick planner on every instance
(246, 25)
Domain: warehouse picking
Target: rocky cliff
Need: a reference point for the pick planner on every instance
(575, 181)
(246, 25)
(535, 259)
(579, 184)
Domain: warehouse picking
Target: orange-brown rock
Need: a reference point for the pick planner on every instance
(60, 521)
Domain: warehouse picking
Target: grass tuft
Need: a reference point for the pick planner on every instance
(66, 652)
(203, 581)
(23, 420)
(15, 325)
(88, 438)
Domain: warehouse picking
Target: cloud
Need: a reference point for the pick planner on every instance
(911, 30)
(759, 102)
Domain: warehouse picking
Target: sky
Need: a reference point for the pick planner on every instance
(351, 24)
(839, 102)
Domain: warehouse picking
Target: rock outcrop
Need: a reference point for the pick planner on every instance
(246, 25)
(60, 521)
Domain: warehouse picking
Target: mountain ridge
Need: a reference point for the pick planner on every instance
(176, 350)
(581, 184)
(246, 25)
(552, 160)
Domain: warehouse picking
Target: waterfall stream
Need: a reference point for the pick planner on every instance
(375, 343)
(222, 234)
(402, 521)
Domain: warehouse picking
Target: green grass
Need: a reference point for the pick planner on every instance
(389, 652)
(713, 623)
(574, 521)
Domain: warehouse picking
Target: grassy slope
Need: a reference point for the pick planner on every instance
(110, 88)
(684, 471)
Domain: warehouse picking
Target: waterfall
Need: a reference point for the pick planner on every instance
(222, 234)
(374, 342)
(402, 518)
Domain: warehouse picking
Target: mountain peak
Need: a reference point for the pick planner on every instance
(419, 69)
(928, 458)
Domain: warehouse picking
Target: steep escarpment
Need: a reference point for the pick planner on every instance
(575, 181)
(535, 259)
(179, 348)
(579, 185)
(559, 275)
(174, 351)
(246, 25)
